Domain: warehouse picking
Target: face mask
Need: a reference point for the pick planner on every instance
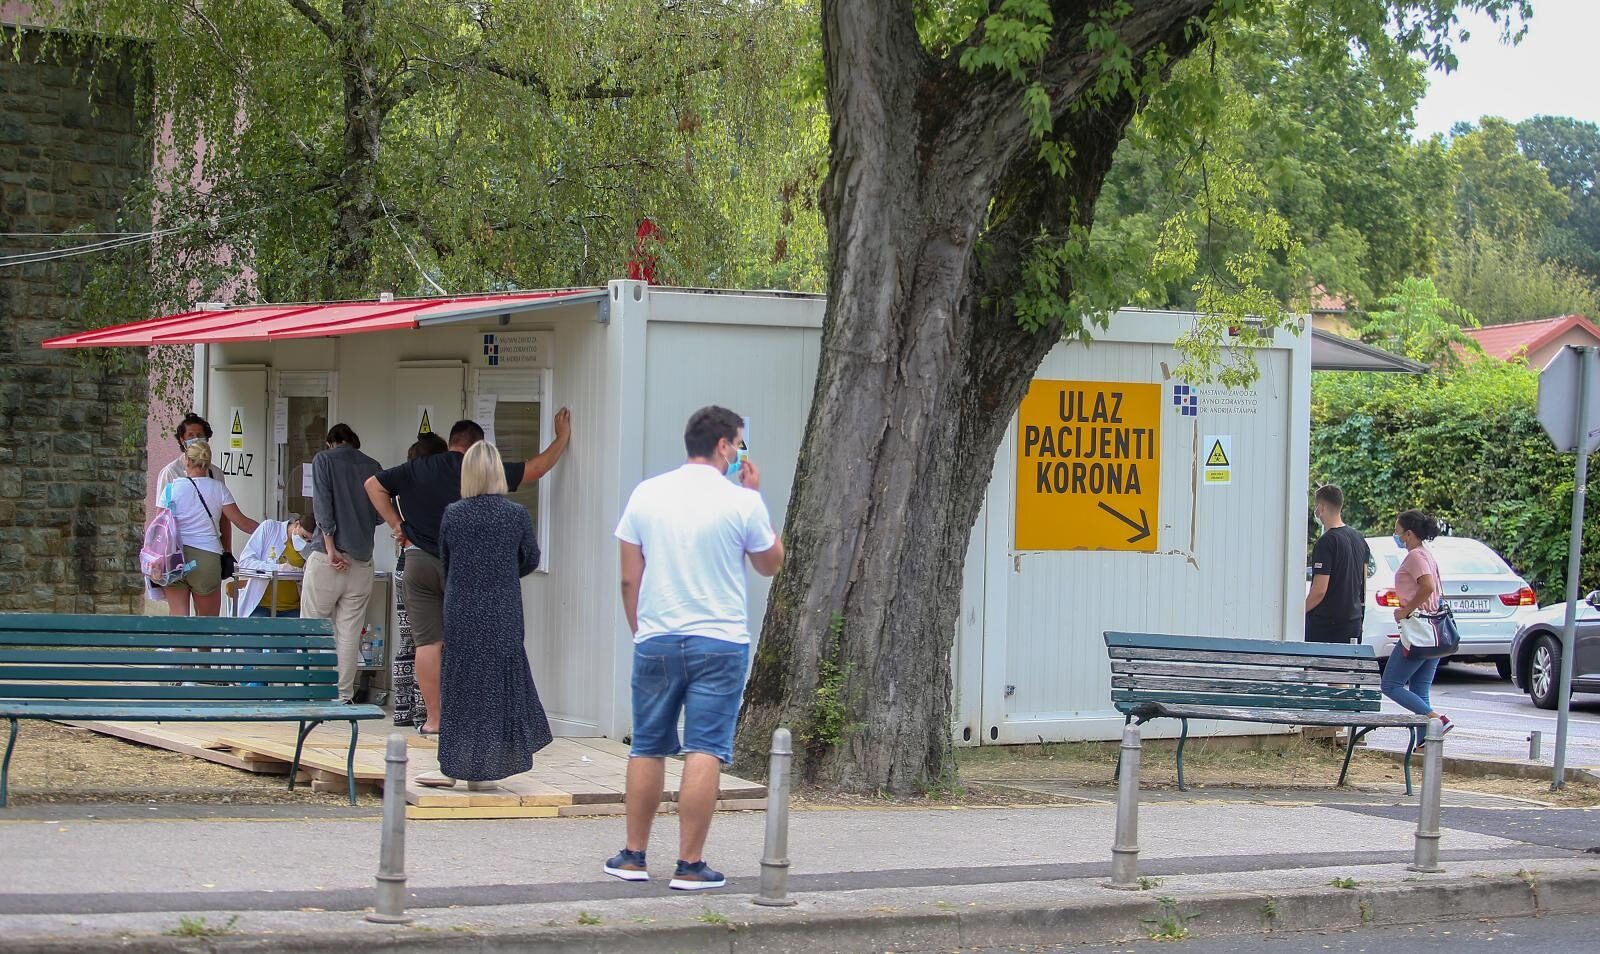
(735, 464)
(192, 441)
(1399, 542)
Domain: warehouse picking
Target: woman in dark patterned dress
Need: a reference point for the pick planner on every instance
(492, 720)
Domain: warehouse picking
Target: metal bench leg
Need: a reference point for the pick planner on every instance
(1183, 738)
(1350, 749)
(1411, 746)
(350, 760)
(1117, 774)
(306, 729)
(5, 766)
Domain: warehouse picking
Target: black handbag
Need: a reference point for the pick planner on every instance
(230, 563)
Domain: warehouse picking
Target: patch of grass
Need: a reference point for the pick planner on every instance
(709, 916)
(584, 917)
(1349, 884)
(1529, 878)
(197, 927)
(1269, 910)
(1172, 925)
(1147, 884)
(1366, 912)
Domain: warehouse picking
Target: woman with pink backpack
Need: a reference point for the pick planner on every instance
(196, 501)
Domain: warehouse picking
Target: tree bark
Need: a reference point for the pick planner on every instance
(355, 194)
(923, 364)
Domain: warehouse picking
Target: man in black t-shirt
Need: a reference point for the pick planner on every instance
(1340, 565)
(424, 488)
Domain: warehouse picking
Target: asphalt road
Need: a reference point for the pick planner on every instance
(1493, 719)
(1547, 935)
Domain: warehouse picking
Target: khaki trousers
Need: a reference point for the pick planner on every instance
(339, 595)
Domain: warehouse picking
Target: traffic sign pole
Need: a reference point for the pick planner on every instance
(1574, 553)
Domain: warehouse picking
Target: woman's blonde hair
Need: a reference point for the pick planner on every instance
(482, 472)
(198, 455)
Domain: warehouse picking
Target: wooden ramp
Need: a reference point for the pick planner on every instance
(570, 777)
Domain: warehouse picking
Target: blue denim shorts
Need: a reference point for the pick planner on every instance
(699, 678)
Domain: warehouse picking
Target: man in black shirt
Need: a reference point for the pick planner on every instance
(424, 488)
(1340, 565)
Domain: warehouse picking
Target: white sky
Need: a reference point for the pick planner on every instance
(1549, 72)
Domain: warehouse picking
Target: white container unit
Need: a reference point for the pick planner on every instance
(1220, 557)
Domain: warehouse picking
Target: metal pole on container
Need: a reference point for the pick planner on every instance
(1426, 855)
(1574, 553)
(775, 853)
(1125, 849)
(390, 905)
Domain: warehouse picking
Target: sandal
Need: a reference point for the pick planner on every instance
(435, 780)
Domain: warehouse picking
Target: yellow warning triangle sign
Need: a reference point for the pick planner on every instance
(238, 423)
(424, 427)
(1217, 458)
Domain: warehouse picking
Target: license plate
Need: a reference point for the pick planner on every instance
(1469, 606)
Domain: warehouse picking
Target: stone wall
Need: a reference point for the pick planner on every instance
(72, 471)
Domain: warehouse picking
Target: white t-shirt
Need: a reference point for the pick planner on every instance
(195, 528)
(695, 527)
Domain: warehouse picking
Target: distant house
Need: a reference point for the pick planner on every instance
(1536, 341)
(1331, 313)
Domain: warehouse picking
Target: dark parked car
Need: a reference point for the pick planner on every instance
(1536, 652)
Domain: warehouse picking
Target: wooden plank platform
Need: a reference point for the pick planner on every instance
(571, 777)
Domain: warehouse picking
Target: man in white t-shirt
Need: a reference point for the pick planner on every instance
(685, 535)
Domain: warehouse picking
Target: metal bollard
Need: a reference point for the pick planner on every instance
(1125, 849)
(1426, 858)
(1535, 743)
(775, 854)
(390, 906)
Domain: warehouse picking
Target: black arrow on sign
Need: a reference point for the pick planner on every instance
(1141, 529)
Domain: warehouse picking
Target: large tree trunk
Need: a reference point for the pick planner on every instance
(923, 364)
(355, 191)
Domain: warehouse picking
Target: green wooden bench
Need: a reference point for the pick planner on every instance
(1252, 680)
(170, 669)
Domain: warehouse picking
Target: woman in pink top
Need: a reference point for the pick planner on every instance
(1407, 677)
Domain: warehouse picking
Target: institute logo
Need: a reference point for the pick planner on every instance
(1186, 400)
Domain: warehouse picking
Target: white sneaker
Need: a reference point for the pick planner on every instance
(489, 786)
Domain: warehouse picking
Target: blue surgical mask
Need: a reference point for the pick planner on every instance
(736, 463)
(192, 441)
(1399, 542)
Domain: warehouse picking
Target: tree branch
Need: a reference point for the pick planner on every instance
(319, 21)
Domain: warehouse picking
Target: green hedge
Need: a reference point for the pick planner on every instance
(1463, 445)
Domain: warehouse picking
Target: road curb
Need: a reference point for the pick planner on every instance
(1473, 766)
(1111, 918)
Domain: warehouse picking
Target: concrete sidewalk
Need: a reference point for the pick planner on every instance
(870, 879)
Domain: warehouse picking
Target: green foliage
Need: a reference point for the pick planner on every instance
(347, 148)
(830, 716)
(1500, 282)
(198, 927)
(1419, 323)
(1466, 446)
(1500, 191)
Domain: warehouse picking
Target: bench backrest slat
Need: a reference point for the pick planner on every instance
(160, 625)
(1242, 673)
(1139, 667)
(140, 691)
(166, 659)
(1238, 701)
(155, 657)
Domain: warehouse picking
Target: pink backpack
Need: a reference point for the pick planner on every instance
(161, 557)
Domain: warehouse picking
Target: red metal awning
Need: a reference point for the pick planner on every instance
(327, 320)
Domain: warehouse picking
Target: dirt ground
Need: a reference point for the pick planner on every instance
(62, 764)
(58, 763)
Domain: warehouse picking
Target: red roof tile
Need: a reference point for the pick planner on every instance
(1505, 341)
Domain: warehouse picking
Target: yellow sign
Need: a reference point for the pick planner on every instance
(424, 419)
(1219, 459)
(236, 429)
(1089, 466)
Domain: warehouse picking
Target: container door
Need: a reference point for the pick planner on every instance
(429, 396)
(302, 413)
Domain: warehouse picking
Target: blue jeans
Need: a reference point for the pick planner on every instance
(1407, 679)
(697, 677)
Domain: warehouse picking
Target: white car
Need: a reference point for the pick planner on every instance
(1491, 602)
